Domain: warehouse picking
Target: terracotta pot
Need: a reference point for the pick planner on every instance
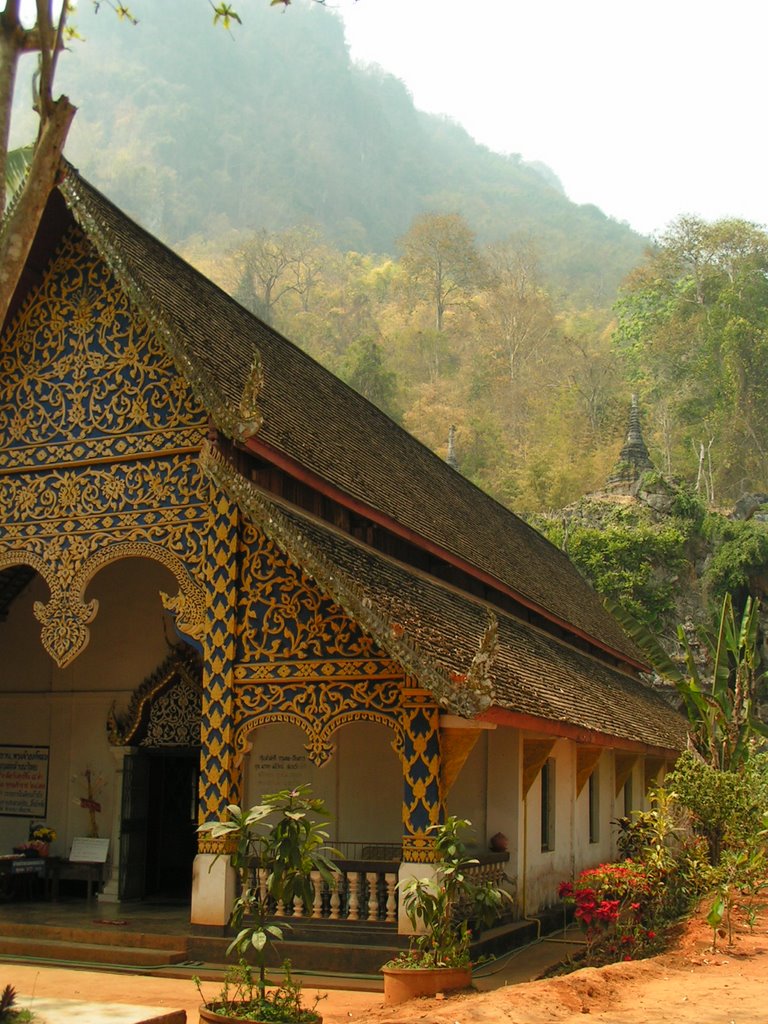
(208, 1016)
(402, 983)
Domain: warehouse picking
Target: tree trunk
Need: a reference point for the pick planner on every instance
(21, 225)
(10, 48)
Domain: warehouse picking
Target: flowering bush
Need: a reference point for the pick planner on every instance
(615, 906)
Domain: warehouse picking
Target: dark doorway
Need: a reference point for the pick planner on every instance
(160, 818)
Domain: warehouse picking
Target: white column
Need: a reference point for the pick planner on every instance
(111, 890)
(213, 889)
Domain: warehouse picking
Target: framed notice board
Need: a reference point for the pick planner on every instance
(23, 781)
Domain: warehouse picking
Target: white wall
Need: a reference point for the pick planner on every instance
(362, 784)
(503, 795)
(544, 870)
(467, 797)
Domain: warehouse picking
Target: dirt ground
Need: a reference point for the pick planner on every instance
(688, 984)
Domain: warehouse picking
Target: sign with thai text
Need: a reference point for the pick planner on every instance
(276, 771)
(23, 781)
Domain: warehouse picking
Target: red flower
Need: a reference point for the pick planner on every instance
(651, 935)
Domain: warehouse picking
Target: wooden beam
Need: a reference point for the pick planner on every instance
(586, 760)
(565, 730)
(455, 747)
(624, 764)
(535, 753)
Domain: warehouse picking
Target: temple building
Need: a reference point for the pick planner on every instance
(224, 573)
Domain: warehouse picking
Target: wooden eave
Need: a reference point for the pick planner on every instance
(545, 727)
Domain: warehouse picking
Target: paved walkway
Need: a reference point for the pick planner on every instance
(121, 996)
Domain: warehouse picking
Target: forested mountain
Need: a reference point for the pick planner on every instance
(192, 130)
(452, 286)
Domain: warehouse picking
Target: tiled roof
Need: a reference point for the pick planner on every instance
(314, 419)
(424, 623)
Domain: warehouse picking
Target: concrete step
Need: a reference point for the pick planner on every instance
(325, 956)
(80, 952)
(113, 936)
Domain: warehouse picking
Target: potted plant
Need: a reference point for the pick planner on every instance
(442, 909)
(273, 848)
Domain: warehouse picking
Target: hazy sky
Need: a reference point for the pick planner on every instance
(648, 110)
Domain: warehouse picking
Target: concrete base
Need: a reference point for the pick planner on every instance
(73, 1011)
(407, 871)
(213, 889)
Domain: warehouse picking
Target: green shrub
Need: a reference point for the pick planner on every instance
(741, 552)
(727, 807)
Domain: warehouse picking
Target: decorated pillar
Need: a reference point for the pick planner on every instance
(220, 777)
(422, 794)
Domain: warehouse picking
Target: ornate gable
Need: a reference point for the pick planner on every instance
(165, 710)
(99, 443)
(289, 628)
(82, 377)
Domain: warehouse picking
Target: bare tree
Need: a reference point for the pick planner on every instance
(516, 308)
(439, 251)
(46, 38)
(274, 264)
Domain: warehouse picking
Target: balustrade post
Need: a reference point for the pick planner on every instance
(317, 901)
(391, 882)
(335, 903)
(373, 896)
(353, 882)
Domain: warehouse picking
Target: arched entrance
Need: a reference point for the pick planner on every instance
(157, 744)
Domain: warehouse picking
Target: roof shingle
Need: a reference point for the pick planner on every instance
(314, 419)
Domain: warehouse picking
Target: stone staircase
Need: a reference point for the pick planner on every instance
(345, 948)
(99, 947)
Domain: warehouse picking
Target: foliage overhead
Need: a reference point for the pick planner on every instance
(693, 336)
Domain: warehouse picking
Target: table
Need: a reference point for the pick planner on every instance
(19, 875)
(57, 868)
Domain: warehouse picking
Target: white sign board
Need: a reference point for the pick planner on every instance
(89, 851)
